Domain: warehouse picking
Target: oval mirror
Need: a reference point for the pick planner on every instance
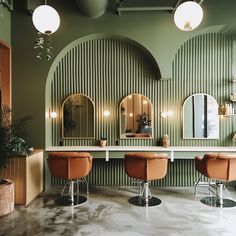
(200, 117)
(78, 117)
(136, 117)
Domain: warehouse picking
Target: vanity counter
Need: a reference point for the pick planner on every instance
(174, 152)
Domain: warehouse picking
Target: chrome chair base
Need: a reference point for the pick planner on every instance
(72, 198)
(215, 202)
(140, 201)
(145, 197)
(65, 200)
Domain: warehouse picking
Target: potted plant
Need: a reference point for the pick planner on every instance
(166, 141)
(103, 141)
(10, 144)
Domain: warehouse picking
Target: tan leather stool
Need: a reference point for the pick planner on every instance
(146, 167)
(219, 167)
(73, 167)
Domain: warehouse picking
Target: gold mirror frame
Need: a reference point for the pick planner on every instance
(134, 127)
(78, 104)
(205, 109)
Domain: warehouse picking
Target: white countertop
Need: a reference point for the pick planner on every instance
(171, 149)
(141, 148)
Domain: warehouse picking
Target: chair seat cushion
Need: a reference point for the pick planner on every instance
(146, 166)
(219, 166)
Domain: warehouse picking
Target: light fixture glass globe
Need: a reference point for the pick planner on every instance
(188, 15)
(46, 19)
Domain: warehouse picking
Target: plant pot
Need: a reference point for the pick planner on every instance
(6, 197)
(103, 143)
(166, 143)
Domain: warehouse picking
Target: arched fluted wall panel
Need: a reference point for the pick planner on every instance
(108, 69)
(202, 65)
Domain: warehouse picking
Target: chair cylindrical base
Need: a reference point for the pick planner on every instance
(65, 200)
(217, 202)
(140, 201)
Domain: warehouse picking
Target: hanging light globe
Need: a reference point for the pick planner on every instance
(188, 16)
(46, 19)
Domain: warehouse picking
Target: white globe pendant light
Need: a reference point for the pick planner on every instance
(46, 19)
(188, 15)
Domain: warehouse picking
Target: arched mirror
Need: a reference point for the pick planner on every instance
(200, 117)
(136, 117)
(78, 117)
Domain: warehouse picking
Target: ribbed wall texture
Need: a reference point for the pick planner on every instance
(92, 8)
(107, 70)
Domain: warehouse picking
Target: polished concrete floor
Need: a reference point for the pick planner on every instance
(108, 213)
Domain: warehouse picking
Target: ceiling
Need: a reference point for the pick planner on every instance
(95, 8)
(149, 5)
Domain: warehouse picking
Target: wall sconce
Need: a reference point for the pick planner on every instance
(226, 109)
(52, 114)
(221, 110)
(166, 114)
(234, 138)
(106, 113)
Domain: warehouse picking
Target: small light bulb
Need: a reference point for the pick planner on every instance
(164, 115)
(53, 114)
(170, 113)
(106, 113)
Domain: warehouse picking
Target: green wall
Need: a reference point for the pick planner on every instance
(170, 48)
(5, 24)
(107, 69)
(154, 30)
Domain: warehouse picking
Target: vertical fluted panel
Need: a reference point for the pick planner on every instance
(202, 65)
(108, 69)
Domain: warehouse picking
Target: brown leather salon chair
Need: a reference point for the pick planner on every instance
(220, 167)
(72, 167)
(145, 167)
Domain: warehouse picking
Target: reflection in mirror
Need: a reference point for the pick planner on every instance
(135, 117)
(78, 117)
(200, 117)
